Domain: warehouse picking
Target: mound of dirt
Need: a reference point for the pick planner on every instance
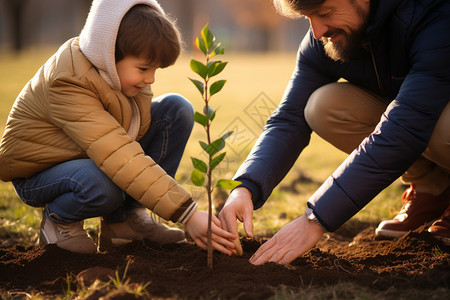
(416, 260)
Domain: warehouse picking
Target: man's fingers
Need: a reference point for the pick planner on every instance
(231, 224)
(288, 258)
(260, 258)
(263, 253)
(223, 222)
(238, 247)
(248, 226)
(216, 221)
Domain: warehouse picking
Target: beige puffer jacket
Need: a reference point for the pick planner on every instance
(68, 111)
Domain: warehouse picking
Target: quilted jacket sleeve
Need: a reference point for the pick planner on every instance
(81, 115)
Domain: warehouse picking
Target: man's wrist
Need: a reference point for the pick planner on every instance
(243, 190)
(311, 217)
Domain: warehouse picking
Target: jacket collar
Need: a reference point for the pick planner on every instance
(380, 12)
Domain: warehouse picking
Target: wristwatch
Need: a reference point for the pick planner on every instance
(311, 217)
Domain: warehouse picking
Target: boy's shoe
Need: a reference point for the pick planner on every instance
(71, 237)
(138, 226)
(440, 229)
(418, 209)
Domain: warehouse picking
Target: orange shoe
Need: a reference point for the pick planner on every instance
(441, 228)
(418, 209)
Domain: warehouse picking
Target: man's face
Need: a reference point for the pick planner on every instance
(340, 25)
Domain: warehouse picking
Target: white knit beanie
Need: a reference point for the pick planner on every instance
(98, 37)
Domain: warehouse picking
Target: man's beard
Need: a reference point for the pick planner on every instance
(351, 44)
(346, 49)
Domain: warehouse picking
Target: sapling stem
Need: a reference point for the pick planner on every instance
(206, 42)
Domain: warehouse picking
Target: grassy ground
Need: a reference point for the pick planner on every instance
(256, 83)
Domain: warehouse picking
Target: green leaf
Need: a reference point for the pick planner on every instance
(201, 45)
(197, 177)
(226, 135)
(212, 116)
(207, 36)
(227, 184)
(216, 160)
(219, 50)
(215, 67)
(216, 87)
(199, 68)
(204, 146)
(200, 118)
(199, 165)
(215, 146)
(198, 85)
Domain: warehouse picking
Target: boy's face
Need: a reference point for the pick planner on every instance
(134, 74)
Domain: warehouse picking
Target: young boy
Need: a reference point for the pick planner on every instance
(81, 140)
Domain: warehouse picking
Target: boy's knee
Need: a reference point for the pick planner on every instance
(179, 109)
(181, 104)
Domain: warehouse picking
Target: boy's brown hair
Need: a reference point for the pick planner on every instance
(147, 33)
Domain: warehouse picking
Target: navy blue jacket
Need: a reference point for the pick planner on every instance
(410, 44)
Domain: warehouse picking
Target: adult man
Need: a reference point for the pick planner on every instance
(392, 115)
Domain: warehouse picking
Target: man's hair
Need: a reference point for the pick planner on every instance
(294, 8)
(147, 33)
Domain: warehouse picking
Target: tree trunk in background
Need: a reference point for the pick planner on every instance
(15, 9)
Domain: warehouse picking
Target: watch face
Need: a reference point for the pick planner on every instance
(310, 214)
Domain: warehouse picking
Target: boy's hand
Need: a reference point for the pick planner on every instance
(197, 227)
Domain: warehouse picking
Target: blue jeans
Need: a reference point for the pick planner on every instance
(76, 190)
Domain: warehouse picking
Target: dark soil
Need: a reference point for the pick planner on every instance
(416, 261)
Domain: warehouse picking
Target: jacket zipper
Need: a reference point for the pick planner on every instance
(376, 70)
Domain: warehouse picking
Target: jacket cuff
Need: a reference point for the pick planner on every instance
(331, 205)
(184, 213)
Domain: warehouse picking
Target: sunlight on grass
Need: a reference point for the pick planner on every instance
(256, 83)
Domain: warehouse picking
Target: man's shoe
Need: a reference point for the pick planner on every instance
(71, 237)
(418, 209)
(440, 229)
(138, 226)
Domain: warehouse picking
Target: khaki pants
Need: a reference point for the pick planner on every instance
(344, 114)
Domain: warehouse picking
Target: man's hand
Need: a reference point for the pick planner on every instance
(238, 206)
(293, 240)
(197, 227)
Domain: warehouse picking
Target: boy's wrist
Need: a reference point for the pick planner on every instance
(187, 214)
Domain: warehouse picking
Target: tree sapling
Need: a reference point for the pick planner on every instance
(207, 44)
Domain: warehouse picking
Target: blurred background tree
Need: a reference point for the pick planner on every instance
(250, 25)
